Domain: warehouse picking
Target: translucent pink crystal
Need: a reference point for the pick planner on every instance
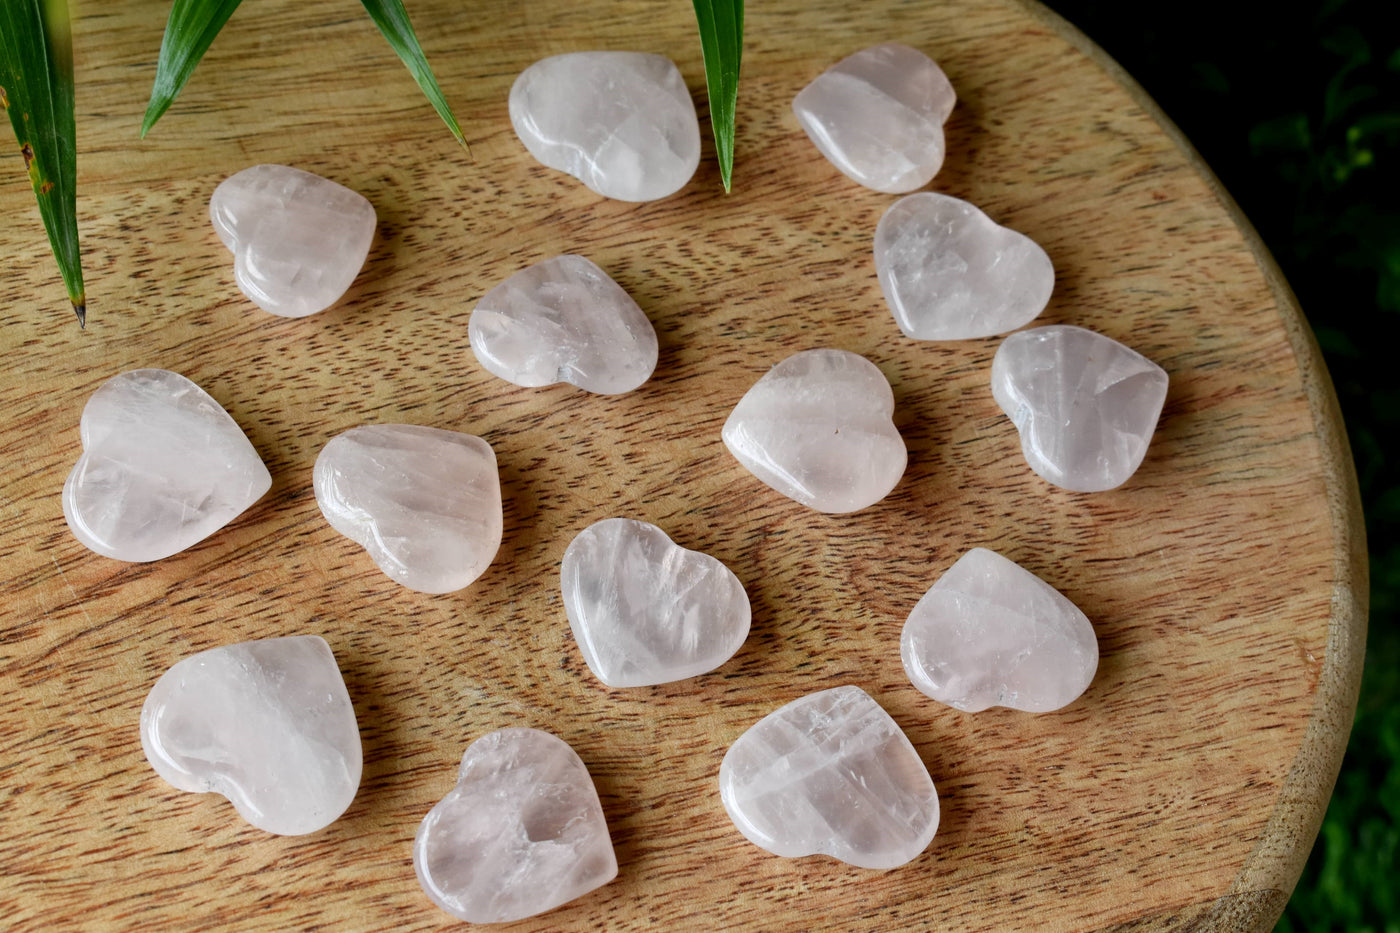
(424, 502)
(564, 320)
(950, 272)
(298, 240)
(831, 773)
(645, 610)
(267, 724)
(1084, 404)
(520, 834)
(878, 116)
(622, 123)
(991, 633)
(818, 428)
(163, 468)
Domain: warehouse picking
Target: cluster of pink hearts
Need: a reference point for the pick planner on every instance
(269, 724)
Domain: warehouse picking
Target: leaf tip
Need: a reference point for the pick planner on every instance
(80, 309)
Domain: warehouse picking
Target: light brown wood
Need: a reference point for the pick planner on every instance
(1226, 579)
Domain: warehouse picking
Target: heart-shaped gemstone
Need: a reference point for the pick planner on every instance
(645, 610)
(267, 724)
(622, 123)
(163, 467)
(424, 502)
(817, 427)
(520, 834)
(878, 115)
(991, 633)
(1084, 404)
(950, 272)
(831, 774)
(564, 320)
(298, 240)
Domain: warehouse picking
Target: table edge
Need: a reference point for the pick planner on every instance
(1261, 890)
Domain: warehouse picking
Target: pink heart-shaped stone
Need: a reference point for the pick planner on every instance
(645, 610)
(424, 502)
(267, 724)
(831, 773)
(163, 468)
(818, 428)
(991, 633)
(520, 834)
(298, 240)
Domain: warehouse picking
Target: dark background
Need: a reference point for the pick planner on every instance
(1296, 106)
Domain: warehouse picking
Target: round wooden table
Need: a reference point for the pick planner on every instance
(1226, 579)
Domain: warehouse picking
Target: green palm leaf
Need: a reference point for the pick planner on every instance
(36, 88)
(722, 41)
(392, 20)
(189, 32)
(193, 24)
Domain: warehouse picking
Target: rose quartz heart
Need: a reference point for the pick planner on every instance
(521, 833)
(298, 240)
(163, 468)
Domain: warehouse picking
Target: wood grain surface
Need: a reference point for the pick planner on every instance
(1226, 580)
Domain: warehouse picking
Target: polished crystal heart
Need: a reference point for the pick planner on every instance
(298, 240)
(831, 774)
(991, 633)
(267, 724)
(950, 272)
(425, 503)
(564, 320)
(163, 467)
(520, 834)
(1084, 404)
(817, 427)
(878, 116)
(622, 123)
(645, 610)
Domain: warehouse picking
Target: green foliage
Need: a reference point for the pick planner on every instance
(392, 20)
(193, 24)
(36, 88)
(722, 41)
(189, 31)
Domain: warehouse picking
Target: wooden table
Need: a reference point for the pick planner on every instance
(1226, 579)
